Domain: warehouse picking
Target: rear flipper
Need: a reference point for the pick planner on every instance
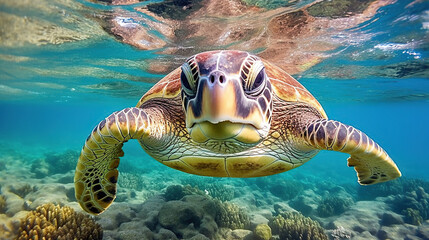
(96, 171)
(370, 161)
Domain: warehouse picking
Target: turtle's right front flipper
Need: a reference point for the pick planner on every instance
(96, 171)
(371, 162)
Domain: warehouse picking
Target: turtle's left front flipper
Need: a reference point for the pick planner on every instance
(371, 162)
(96, 171)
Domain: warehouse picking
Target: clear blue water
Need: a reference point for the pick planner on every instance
(375, 79)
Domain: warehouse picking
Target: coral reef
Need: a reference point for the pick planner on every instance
(412, 216)
(399, 211)
(333, 205)
(177, 192)
(54, 222)
(40, 167)
(306, 203)
(126, 165)
(341, 233)
(262, 232)
(294, 226)
(62, 163)
(219, 191)
(131, 180)
(2, 204)
(184, 212)
(414, 205)
(54, 163)
(229, 215)
(406, 196)
(395, 187)
(191, 215)
(214, 189)
(286, 189)
(21, 189)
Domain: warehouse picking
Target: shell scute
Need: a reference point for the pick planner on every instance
(289, 89)
(168, 87)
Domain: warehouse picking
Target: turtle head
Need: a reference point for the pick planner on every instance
(227, 99)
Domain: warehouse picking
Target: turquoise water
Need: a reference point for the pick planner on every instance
(54, 90)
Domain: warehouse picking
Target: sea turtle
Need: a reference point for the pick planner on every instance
(224, 114)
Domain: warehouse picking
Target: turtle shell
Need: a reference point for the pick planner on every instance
(284, 86)
(168, 87)
(288, 88)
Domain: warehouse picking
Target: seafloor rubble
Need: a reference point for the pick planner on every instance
(155, 205)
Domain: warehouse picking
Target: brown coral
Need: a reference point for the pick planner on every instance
(2, 204)
(231, 216)
(54, 222)
(295, 226)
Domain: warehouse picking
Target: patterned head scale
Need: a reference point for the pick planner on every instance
(226, 96)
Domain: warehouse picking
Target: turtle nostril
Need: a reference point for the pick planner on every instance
(217, 77)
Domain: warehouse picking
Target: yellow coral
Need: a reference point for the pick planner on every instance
(51, 222)
(295, 226)
(2, 204)
(231, 216)
(262, 232)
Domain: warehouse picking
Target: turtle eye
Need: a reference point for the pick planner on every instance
(253, 75)
(259, 79)
(189, 77)
(184, 80)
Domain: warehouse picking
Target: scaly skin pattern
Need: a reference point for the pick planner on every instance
(280, 151)
(371, 162)
(96, 172)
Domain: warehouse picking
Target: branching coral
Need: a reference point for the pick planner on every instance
(2, 204)
(262, 232)
(62, 163)
(131, 181)
(215, 190)
(54, 222)
(294, 226)
(333, 205)
(231, 216)
(412, 216)
(221, 192)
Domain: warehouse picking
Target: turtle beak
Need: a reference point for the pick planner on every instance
(220, 98)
